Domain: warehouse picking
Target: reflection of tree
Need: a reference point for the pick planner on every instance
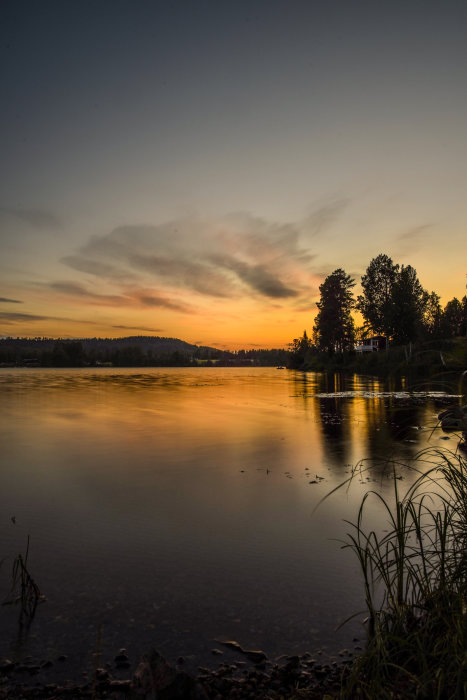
(303, 386)
(403, 418)
(390, 428)
(367, 426)
(336, 440)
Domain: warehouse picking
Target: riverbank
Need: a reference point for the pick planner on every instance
(287, 676)
(440, 358)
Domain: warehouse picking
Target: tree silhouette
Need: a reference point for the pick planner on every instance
(301, 347)
(409, 301)
(376, 302)
(334, 327)
(452, 321)
(433, 316)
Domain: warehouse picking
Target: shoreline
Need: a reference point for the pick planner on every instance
(251, 675)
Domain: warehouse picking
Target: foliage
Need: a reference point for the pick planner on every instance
(452, 319)
(394, 302)
(376, 304)
(301, 352)
(432, 316)
(415, 582)
(409, 300)
(334, 327)
(135, 351)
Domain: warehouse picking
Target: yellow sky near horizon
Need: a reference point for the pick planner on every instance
(196, 171)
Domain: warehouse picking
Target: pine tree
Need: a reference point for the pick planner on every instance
(334, 328)
(376, 304)
(409, 301)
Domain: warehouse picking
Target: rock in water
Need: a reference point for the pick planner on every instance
(254, 655)
(156, 679)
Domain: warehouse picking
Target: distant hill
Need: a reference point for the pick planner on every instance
(132, 351)
(146, 342)
(158, 343)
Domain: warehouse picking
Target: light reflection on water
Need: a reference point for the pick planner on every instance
(174, 506)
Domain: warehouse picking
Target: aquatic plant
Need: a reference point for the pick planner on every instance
(24, 590)
(415, 583)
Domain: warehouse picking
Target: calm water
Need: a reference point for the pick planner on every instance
(174, 507)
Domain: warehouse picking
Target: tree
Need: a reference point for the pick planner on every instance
(409, 301)
(376, 304)
(464, 316)
(301, 347)
(452, 321)
(433, 315)
(334, 327)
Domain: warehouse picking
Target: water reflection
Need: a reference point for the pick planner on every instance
(173, 506)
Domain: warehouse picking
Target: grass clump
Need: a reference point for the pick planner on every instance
(415, 581)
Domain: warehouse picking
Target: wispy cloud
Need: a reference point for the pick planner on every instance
(10, 301)
(414, 232)
(133, 297)
(96, 268)
(233, 257)
(412, 240)
(37, 218)
(12, 318)
(75, 289)
(257, 277)
(140, 328)
(322, 218)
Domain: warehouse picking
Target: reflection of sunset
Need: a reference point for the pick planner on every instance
(199, 484)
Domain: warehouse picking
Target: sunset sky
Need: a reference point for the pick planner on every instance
(195, 169)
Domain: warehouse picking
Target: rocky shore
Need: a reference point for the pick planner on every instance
(253, 675)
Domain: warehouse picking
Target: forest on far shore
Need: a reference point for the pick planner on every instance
(134, 351)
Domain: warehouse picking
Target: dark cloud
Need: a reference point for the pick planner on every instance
(37, 218)
(264, 282)
(132, 297)
(193, 275)
(94, 267)
(153, 300)
(12, 317)
(156, 251)
(140, 328)
(224, 258)
(78, 290)
(10, 301)
(257, 277)
(70, 288)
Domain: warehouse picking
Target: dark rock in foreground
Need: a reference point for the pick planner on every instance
(156, 679)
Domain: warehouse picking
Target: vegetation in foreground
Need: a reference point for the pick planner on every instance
(415, 580)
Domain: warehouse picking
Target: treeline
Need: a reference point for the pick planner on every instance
(136, 351)
(394, 306)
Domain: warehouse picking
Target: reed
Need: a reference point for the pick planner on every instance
(24, 590)
(415, 583)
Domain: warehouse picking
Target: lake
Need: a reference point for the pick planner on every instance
(174, 507)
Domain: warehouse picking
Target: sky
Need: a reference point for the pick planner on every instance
(195, 169)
